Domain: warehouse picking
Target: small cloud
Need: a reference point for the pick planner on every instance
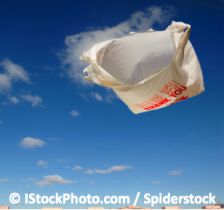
(90, 171)
(74, 113)
(15, 71)
(112, 169)
(92, 182)
(5, 83)
(155, 182)
(31, 143)
(52, 180)
(60, 161)
(34, 100)
(54, 139)
(177, 172)
(3, 180)
(42, 163)
(116, 168)
(97, 96)
(14, 100)
(77, 168)
(108, 96)
(30, 179)
(12, 73)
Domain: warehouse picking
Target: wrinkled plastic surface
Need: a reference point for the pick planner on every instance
(148, 70)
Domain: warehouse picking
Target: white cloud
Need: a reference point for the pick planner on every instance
(155, 182)
(60, 161)
(3, 180)
(42, 163)
(15, 71)
(14, 99)
(77, 168)
(5, 83)
(112, 169)
(107, 96)
(53, 179)
(74, 113)
(97, 96)
(90, 171)
(11, 73)
(176, 172)
(34, 100)
(76, 44)
(31, 143)
(29, 179)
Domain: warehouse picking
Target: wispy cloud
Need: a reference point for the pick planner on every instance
(176, 172)
(76, 44)
(42, 163)
(112, 169)
(155, 182)
(74, 113)
(3, 180)
(52, 180)
(34, 100)
(54, 139)
(11, 73)
(14, 99)
(97, 96)
(90, 171)
(92, 181)
(29, 179)
(108, 96)
(77, 168)
(31, 143)
(61, 161)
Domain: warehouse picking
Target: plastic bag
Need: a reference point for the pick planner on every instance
(148, 70)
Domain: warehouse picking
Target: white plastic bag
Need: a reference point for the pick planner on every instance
(148, 70)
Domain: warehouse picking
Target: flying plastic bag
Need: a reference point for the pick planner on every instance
(148, 70)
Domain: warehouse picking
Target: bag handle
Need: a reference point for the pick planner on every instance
(185, 29)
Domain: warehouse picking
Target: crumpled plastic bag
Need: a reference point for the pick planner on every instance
(147, 70)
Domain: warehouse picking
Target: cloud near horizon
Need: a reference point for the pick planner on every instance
(155, 182)
(52, 180)
(78, 43)
(112, 169)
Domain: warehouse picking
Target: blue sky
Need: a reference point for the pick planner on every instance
(83, 133)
